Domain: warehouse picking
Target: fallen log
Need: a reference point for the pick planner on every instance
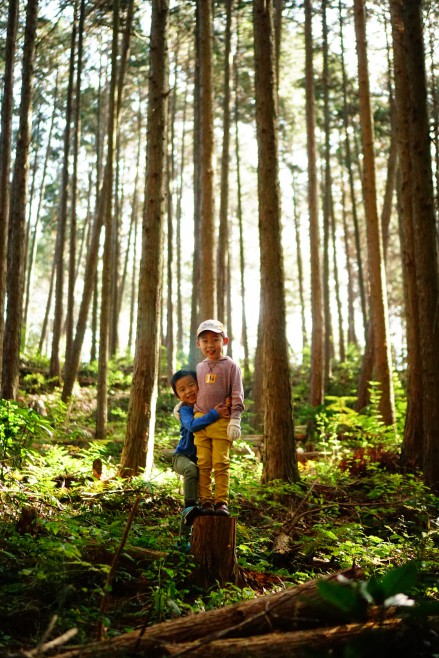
(300, 607)
(298, 644)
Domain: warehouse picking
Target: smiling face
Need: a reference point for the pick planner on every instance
(211, 344)
(186, 389)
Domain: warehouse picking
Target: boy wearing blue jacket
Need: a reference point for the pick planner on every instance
(184, 460)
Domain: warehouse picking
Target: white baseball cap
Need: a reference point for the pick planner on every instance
(212, 325)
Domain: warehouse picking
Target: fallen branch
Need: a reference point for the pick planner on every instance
(300, 607)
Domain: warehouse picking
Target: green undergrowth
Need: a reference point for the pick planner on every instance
(64, 512)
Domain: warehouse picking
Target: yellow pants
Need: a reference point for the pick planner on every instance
(213, 454)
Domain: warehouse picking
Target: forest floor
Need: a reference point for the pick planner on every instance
(64, 516)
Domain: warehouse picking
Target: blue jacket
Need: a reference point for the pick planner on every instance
(188, 426)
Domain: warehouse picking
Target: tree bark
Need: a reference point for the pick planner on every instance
(17, 214)
(206, 282)
(280, 453)
(73, 222)
(348, 151)
(55, 365)
(317, 338)
(377, 277)
(412, 448)
(104, 326)
(425, 238)
(213, 544)
(137, 453)
(223, 237)
(289, 610)
(5, 157)
(244, 332)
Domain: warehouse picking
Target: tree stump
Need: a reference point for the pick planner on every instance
(213, 547)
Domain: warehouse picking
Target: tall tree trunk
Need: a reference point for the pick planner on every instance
(244, 332)
(425, 239)
(76, 144)
(32, 251)
(317, 344)
(178, 220)
(55, 366)
(48, 309)
(223, 238)
(137, 452)
(280, 453)
(327, 203)
(17, 214)
(377, 276)
(196, 265)
(104, 185)
(104, 318)
(348, 150)
(297, 233)
(435, 105)
(206, 289)
(412, 448)
(170, 185)
(5, 157)
(352, 336)
(341, 342)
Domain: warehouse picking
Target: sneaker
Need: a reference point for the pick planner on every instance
(188, 515)
(221, 509)
(207, 509)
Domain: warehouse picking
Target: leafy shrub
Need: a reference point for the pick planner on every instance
(19, 426)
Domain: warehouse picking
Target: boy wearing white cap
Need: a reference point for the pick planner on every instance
(219, 377)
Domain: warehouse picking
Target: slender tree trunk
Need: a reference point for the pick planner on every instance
(104, 318)
(425, 239)
(352, 336)
(48, 309)
(76, 144)
(178, 220)
(36, 141)
(435, 106)
(170, 183)
(341, 342)
(137, 452)
(327, 203)
(317, 340)
(223, 238)
(348, 150)
(206, 289)
(33, 240)
(5, 157)
(55, 366)
(244, 332)
(377, 277)
(133, 220)
(17, 214)
(195, 301)
(280, 453)
(89, 287)
(412, 447)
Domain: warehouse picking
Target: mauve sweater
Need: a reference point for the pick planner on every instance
(218, 380)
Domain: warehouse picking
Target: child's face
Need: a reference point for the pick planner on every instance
(187, 389)
(211, 344)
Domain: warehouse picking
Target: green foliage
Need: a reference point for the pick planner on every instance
(353, 598)
(19, 427)
(58, 564)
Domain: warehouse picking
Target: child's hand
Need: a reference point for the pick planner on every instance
(228, 402)
(223, 410)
